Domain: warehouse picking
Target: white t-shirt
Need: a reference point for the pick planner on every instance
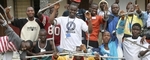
(30, 30)
(108, 51)
(143, 49)
(71, 35)
(131, 50)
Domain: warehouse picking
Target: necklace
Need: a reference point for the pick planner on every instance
(42, 49)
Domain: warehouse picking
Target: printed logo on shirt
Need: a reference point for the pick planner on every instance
(71, 27)
(31, 28)
(55, 30)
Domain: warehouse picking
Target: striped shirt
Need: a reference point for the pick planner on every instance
(5, 45)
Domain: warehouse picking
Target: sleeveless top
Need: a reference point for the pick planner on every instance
(38, 49)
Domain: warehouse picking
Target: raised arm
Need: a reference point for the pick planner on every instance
(105, 17)
(7, 9)
(39, 14)
(88, 16)
(52, 16)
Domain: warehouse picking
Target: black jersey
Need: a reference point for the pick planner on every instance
(29, 30)
(37, 49)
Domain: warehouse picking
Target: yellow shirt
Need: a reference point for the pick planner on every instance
(128, 24)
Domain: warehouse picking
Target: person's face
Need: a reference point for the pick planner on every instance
(51, 11)
(115, 8)
(102, 5)
(106, 37)
(25, 46)
(148, 8)
(136, 31)
(130, 8)
(93, 10)
(72, 10)
(30, 12)
(42, 35)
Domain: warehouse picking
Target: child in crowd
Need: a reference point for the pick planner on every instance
(42, 46)
(130, 49)
(12, 42)
(110, 47)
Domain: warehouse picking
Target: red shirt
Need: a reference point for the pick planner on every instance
(49, 28)
(96, 21)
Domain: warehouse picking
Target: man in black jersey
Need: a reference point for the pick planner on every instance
(42, 46)
(28, 26)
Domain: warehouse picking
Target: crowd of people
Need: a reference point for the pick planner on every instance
(124, 35)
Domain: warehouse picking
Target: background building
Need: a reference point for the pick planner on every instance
(19, 6)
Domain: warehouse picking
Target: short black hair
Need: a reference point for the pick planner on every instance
(30, 42)
(73, 4)
(29, 7)
(42, 30)
(137, 24)
(105, 32)
(116, 4)
(147, 34)
(129, 3)
(93, 4)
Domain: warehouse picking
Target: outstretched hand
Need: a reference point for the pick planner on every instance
(97, 56)
(55, 55)
(57, 6)
(122, 14)
(137, 8)
(143, 39)
(7, 9)
(88, 15)
(105, 8)
(83, 47)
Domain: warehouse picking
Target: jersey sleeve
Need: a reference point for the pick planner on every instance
(44, 20)
(57, 21)
(19, 23)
